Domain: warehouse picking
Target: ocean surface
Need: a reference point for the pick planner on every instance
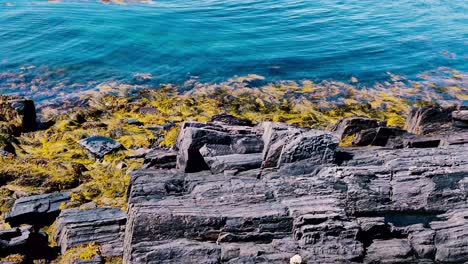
(77, 44)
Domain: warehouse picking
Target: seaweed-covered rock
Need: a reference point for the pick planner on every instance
(37, 210)
(6, 144)
(99, 145)
(102, 226)
(18, 113)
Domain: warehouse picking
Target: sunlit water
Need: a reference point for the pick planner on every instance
(80, 43)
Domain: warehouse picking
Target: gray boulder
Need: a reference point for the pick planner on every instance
(100, 146)
(37, 210)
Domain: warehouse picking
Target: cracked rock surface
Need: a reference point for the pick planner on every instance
(296, 192)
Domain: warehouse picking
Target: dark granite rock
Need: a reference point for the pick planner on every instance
(377, 136)
(231, 120)
(37, 210)
(311, 198)
(25, 240)
(247, 145)
(451, 237)
(427, 120)
(287, 144)
(102, 226)
(194, 136)
(351, 125)
(6, 144)
(19, 111)
(100, 146)
(275, 136)
(460, 118)
(315, 146)
(234, 162)
(389, 251)
(160, 159)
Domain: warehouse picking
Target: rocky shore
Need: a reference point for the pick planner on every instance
(233, 190)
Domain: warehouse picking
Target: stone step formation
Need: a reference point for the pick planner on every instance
(233, 192)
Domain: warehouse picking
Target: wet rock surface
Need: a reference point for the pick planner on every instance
(305, 196)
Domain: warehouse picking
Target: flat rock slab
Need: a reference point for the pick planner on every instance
(99, 145)
(37, 210)
(102, 226)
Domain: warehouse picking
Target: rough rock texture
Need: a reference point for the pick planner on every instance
(460, 118)
(37, 210)
(160, 159)
(352, 125)
(309, 197)
(100, 146)
(378, 136)
(194, 136)
(228, 119)
(427, 120)
(102, 226)
(26, 241)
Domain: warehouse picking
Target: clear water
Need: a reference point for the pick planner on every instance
(87, 41)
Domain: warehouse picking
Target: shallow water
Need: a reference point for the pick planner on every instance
(80, 43)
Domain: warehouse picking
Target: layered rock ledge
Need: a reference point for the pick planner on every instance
(263, 194)
(230, 191)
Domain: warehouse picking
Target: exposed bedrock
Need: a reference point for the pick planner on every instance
(103, 226)
(231, 192)
(265, 193)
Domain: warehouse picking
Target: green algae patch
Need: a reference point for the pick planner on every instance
(82, 252)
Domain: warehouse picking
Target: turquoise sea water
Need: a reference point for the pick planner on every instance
(76, 44)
